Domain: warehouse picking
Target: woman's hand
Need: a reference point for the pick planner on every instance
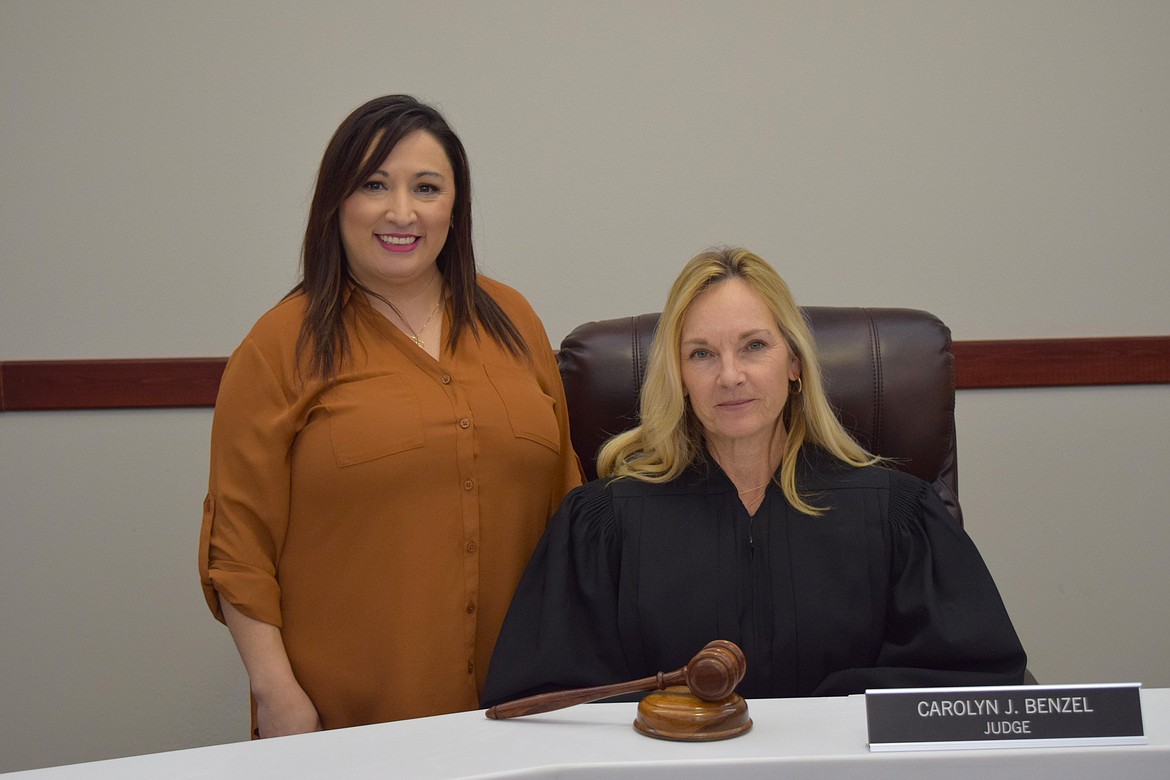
(285, 711)
(282, 706)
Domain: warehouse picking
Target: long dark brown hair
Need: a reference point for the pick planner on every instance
(360, 144)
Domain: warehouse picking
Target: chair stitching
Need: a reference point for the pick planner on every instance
(878, 387)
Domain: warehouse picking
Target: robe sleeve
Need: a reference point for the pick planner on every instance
(946, 624)
(561, 630)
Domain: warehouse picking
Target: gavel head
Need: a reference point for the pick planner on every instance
(715, 670)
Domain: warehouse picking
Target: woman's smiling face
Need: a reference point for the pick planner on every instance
(395, 224)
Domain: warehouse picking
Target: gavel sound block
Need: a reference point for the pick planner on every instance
(696, 703)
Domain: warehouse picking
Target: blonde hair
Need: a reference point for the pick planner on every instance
(670, 438)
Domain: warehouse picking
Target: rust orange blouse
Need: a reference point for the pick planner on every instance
(383, 519)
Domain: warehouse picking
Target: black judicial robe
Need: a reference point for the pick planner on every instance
(883, 590)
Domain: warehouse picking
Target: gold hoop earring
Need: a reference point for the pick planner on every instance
(799, 386)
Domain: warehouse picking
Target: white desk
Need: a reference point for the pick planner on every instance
(806, 738)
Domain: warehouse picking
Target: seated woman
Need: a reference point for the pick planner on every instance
(740, 509)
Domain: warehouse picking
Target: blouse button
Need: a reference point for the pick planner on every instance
(471, 667)
(468, 484)
(471, 547)
(470, 607)
(465, 423)
(446, 379)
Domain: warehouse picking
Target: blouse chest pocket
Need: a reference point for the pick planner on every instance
(531, 412)
(372, 418)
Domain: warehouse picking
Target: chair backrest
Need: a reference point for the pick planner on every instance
(889, 374)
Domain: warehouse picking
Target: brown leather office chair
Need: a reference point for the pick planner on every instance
(889, 374)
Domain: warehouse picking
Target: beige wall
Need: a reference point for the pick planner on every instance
(1002, 164)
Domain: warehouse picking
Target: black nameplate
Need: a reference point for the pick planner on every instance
(1016, 716)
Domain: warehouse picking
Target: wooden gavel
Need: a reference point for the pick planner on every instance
(711, 675)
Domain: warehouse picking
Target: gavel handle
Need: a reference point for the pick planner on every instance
(555, 700)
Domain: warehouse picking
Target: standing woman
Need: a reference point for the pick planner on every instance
(388, 443)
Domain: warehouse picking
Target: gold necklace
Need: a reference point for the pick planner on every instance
(753, 490)
(413, 335)
(751, 504)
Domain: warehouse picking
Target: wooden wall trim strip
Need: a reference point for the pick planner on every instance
(46, 385)
(1130, 360)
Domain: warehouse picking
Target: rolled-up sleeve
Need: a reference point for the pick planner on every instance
(246, 511)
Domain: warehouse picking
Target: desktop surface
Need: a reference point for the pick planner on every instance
(807, 738)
